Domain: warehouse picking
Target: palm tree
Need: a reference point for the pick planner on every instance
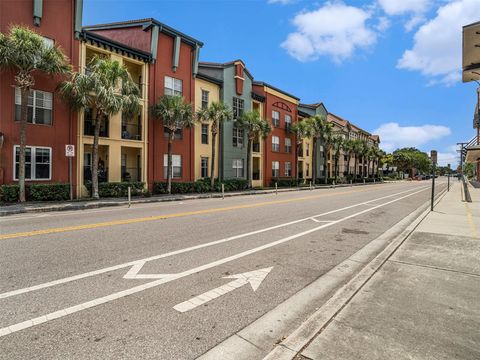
(301, 132)
(327, 137)
(255, 127)
(175, 114)
(107, 88)
(348, 149)
(216, 113)
(315, 126)
(356, 148)
(364, 154)
(337, 146)
(26, 53)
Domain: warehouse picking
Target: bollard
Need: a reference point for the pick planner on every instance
(223, 191)
(448, 183)
(129, 196)
(276, 188)
(363, 181)
(351, 182)
(374, 180)
(311, 186)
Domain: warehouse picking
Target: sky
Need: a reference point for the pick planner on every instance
(392, 67)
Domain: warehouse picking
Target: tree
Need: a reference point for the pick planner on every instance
(408, 159)
(315, 126)
(357, 146)
(363, 152)
(327, 138)
(337, 146)
(107, 89)
(301, 132)
(25, 53)
(255, 127)
(348, 150)
(216, 113)
(175, 115)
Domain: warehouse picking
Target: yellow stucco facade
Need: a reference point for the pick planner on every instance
(204, 150)
(123, 146)
(257, 153)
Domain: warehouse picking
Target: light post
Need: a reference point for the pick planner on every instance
(448, 177)
(433, 156)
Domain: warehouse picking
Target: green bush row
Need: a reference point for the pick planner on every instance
(36, 192)
(119, 189)
(200, 186)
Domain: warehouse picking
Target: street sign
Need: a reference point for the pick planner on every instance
(69, 150)
(254, 278)
(433, 156)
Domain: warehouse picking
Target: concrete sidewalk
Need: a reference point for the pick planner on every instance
(38, 207)
(424, 302)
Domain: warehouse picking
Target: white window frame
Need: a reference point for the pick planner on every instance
(288, 121)
(49, 43)
(275, 144)
(202, 159)
(239, 134)
(173, 85)
(205, 98)
(275, 169)
(288, 169)
(288, 145)
(175, 157)
(275, 118)
(202, 127)
(238, 166)
(18, 101)
(33, 150)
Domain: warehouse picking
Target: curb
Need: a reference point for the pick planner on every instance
(292, 346)
(256, 339)
(96, 205)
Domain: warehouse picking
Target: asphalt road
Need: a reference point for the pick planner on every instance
(139, 283)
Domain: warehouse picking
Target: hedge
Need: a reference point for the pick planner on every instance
(119, 189)
(200, 186)
(36, 192)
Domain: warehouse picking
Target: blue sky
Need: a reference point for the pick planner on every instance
(388, 66)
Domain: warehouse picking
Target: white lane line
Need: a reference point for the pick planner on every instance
(102, 300)
(321, 221)
(176, 252)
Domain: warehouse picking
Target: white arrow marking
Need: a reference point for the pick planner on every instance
(254, 278)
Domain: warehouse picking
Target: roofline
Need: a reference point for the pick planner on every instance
(92, 36)
(262, 83)
(146, 23)
(351, 124)
(209, 78)
(472, 24)
(224, 65)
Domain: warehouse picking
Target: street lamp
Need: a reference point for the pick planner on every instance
(433, 156)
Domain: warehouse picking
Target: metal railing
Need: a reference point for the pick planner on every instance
(131, 174)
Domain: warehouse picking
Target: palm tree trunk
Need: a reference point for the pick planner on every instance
(314, 161)
(96, 137)
(325, 156)
(335, 170)
(23, 144)
(249, 162)
(355, 167)
(296, 164)
(212, 170)
(169, 161)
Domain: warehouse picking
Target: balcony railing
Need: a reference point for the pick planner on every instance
(87, 175)
(256, 175)
(256, 147)
(131, 130)
(131, 174)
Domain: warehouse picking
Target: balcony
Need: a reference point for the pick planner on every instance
(131, 174)
(132, 128)
(300, 152)
(256, 147)
(256, 175)
(89, 124)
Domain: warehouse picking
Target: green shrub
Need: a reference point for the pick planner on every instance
(9, 193)
(48, 192)
(200, 186)
(119, 189)
(285, 182)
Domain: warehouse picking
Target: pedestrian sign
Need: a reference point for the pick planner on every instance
(69, 150)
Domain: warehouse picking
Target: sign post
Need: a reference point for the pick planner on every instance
(433, 156)
(70, 153)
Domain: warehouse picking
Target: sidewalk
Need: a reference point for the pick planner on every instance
(423, 302)
(38, 207)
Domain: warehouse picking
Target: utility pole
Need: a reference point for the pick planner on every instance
(433, 156)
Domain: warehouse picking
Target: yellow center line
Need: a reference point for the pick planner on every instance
(168, 216)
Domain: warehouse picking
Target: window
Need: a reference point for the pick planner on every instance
(307, 171)
(205, 95)
(204, 133)
(178, 133)
(237, 137)
(288, 168)
(49, 43)
(288, 122)
(204, 167)
(38, 163)
(238, 107)
(275, 169)
(307, 149)
(288, 145)
(275, 143)
(173, 86)
(176, 166)
(39, 107)
(237, 166)
(275, 118)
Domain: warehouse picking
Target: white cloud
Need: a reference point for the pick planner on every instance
(383, 24)
(334, 29)
(449, 156)
(437, 48)
(415, 8)
(394, 136)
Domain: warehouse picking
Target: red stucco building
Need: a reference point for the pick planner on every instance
(52, 125)
(280, 110)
